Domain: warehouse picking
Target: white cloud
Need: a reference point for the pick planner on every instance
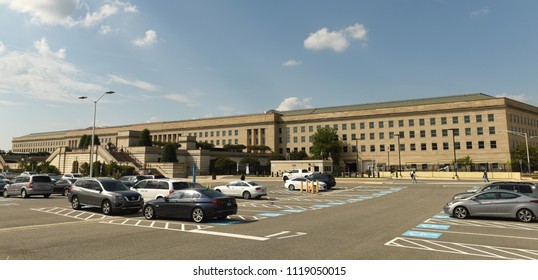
(337, 41)
(188, 100)
(105, 29)
(135, 83)
(67, 12)
(294, 103)
(291, 63)
(2, 47)
(42, 75)
(43, 49)
(517, 97)
(480, 12)
(149, 39)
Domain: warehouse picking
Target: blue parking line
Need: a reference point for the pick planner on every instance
(422, 234)
(365, 197)
(354, 199)
(434, 226)
(335, 203)
(269, 214)
(292, 211)
(321, 205)
(442, 216)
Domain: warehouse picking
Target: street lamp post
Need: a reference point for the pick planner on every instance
(454, 147)
(357, 157)
(399, 158)
(93, 127)
(526, 145)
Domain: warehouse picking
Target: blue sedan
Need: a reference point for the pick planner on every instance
(199, 205)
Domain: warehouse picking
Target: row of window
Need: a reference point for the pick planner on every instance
(217, 133)
(392, 123)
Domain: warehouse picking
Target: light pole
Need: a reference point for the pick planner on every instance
(399, 158)
(454, 146)
(526, 145)
(93, 127)
(357, 155)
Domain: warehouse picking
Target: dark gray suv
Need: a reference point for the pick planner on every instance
(109, 194)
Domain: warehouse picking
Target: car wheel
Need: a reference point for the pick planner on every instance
(149, 212)
(461, 212)
(24, 194)
(291, 187)
(66, 192)
(198, 215)
(75, 203)
(46, 195)
(246, 195)
(525, 215)
(4, 194)
(106, 207)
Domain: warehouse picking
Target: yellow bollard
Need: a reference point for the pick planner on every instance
(301, 186)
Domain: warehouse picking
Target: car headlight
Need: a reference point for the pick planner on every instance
(119, 197)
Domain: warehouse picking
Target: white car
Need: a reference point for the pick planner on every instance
(244, 189)
(295, 184)
(157, 188)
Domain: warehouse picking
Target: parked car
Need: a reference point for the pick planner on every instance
(244, 189)
(109, 194)
(28, 173)
(295, 184)
(496, 203)
(26, 186)
(131, 180)
(520, 187)
(326, 178)
(3, 182)
(199, 205)
(55, 177)
(8, 175)
(72, 176)
(62, 186)
(295, 173)
(156, 188)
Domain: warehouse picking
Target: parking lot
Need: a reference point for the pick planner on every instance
(358, 220)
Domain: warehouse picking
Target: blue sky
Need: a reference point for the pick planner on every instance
(176, 60)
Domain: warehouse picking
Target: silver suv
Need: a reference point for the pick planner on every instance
(109, 194)
(25, 186)
(527, 188)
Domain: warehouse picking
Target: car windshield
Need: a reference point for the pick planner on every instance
(114, 186)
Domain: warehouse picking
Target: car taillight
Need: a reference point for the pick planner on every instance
(258, 189)
(170, 192)
(31, 185)
(218, 202)
(534, 201)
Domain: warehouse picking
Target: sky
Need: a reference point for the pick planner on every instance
(181, 60)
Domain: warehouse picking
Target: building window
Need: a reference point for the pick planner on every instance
(401, 134)
(381, 124)
(391, 135)
(344, 137)
(444, 132)
(466, 119)
(432, 121)
(423, 146)
(344, 126)
(295, 140)
(361, 125)
(481, 144)
(372, 148)
(411, 122)
(345, 149)
(443, 120)
(381, 148)
(391, 147)
(311, 128)
(421, 122)
(455, 120)
(480, 131)
(363, 148)
(491, 130)
(335, 126)
(434, 146)
(457, 145)
(469, 145)
(391, 123)
(363, 136)
(467, 131)
(433, 133)
(493, 144)
(372, 136)
(371, 125)
(491, 118)
(353, 136)
(400, 123)
(478, 118)
(445, 146)
(413, 147)
(423, 134)
(303, 129)
(303, 139)
(402, 147)
(353, 126)
(381, 135)
(411, 134)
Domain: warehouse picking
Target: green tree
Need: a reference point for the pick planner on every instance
(204, 145)
(169, 153)
(224, 165)
(520, 155)
(46, 167)
(82, 141)
(325, 144)
(298, 155)
(145, 139)
(464, 162)
(86, 141)
(234, 148)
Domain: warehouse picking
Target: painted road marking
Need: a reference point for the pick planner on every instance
(434, 226)
(293, 211)
(464, 249)
(68, 212)
(422, 234)
(269, 214)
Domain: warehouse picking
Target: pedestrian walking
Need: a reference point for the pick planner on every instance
(485, 176)
(413, 177)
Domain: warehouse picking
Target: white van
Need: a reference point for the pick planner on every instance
(155, 188)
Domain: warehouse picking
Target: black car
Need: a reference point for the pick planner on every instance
(62, 186)
(196, 204)
(326, 178)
